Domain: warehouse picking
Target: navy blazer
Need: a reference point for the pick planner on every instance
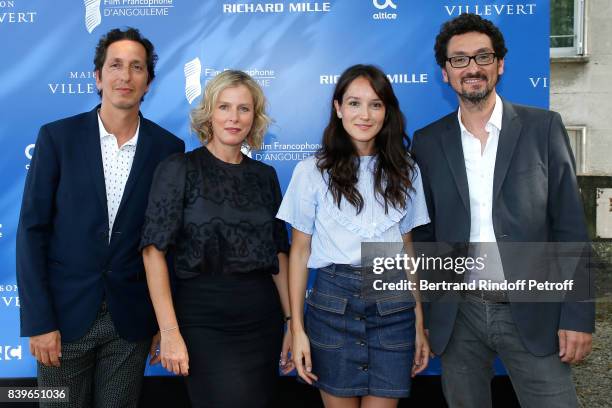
(66, 265)
(535, 199)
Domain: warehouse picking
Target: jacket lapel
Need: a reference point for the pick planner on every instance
(143, 149)
(509, 135)
(451, 144)
(93, 154)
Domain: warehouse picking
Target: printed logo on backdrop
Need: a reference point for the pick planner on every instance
(193, 77)
(29, 151)
(385, 8)
(193, 72)
(8, 353)
(277, 151)
(492, 9)
(96, 9)
(539, 82)
(9, 295)
(1, 235)
(93, 18)
(277, 8)
(11, 13)
(273, 151)
(74, 83)
(401, 78)
(246, 151)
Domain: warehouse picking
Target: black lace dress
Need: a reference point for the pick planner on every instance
(218, 221)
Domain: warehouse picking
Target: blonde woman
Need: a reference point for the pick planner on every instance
(213, 209)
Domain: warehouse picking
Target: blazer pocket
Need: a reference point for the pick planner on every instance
(527, 172)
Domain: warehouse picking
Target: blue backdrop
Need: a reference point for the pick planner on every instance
(294, 49)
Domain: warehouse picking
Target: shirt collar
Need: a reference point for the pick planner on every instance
(494, 121)
(103, 132)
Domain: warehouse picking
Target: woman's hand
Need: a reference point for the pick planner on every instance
(301, 356)
(286, 363)
(421, 352)
(173, 352)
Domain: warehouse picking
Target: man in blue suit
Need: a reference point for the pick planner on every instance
(82, 286)
(495, 172)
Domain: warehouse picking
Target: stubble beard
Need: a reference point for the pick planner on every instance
(477, 98)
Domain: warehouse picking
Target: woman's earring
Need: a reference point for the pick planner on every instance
(339, 115)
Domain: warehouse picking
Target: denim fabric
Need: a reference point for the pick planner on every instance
(482, 331)
(358, 346)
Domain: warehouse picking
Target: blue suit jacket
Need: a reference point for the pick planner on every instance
(535, 199)
(65, 263)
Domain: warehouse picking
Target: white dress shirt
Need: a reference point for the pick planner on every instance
(117, 162)
(480, 167)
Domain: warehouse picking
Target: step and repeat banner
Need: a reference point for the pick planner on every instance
(294, 49)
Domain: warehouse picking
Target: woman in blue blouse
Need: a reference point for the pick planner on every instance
(361, 186)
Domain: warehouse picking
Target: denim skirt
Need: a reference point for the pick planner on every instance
(358, 346)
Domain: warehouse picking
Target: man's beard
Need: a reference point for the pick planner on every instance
(476, 97)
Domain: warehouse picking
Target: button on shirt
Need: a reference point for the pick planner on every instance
(117, 162)
(480, 168)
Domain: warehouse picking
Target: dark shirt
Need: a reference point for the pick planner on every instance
(215, 217)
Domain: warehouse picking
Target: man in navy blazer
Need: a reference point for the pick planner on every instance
(497, 172)
(82, 286)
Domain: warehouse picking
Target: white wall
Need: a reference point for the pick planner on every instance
(582, 91)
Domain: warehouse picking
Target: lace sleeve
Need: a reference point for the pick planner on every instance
(164, 215)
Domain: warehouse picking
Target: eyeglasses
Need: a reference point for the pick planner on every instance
(462, 61)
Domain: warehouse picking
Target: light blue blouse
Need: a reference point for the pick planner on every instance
(337, 233)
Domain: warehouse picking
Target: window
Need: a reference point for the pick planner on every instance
(566, 28)
(577, 138)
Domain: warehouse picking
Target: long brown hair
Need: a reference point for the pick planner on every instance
(339, 159)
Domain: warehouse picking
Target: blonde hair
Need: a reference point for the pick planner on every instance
(201, 116)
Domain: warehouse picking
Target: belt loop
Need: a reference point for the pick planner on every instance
(333, 270)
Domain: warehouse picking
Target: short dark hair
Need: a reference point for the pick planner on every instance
(131, 34)
(467, 23)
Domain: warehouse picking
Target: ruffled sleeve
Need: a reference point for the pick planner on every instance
(298, 207)
(280, 229)
(416, 212)
(164, 215)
